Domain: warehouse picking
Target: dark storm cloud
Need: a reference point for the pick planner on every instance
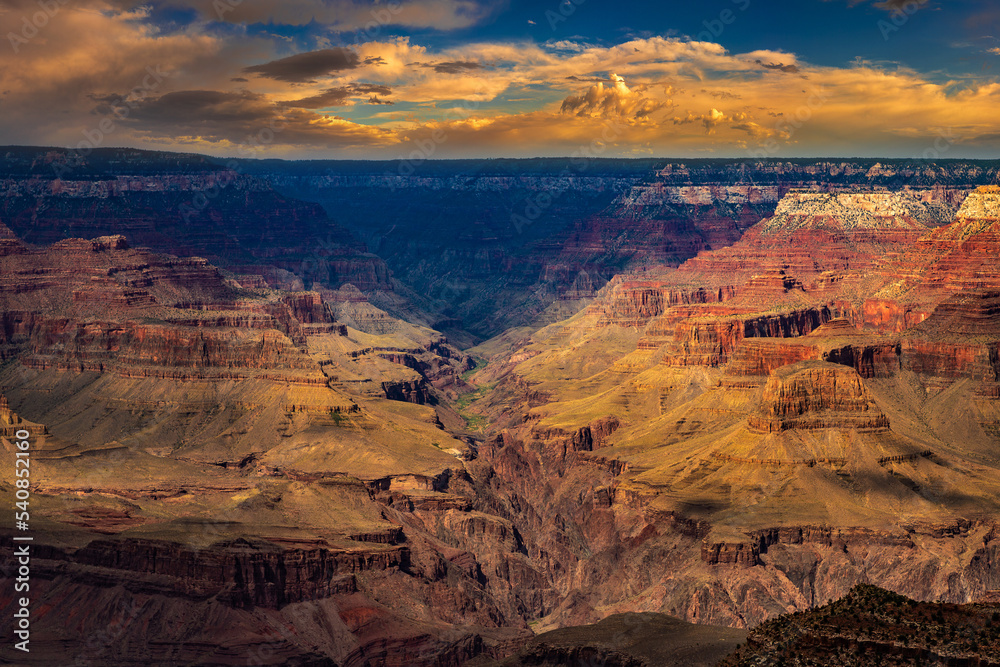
(898, 5)
(338, 96)
(453, 66)
(202, 106)
(240, 117)
(791, 69)
(722, 94)
(307, 66)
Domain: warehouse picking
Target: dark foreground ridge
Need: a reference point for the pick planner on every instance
(868, 626)
(872, 626)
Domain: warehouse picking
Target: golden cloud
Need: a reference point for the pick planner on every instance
(668, 96)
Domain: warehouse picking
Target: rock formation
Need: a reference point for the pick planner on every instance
(203, 450)
(815, 395)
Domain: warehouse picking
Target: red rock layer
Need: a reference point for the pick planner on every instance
(813, 235)
(99, 305)
(711, 342)
(814, 395)
(837, 342)
(961, 338)
(634, 302)
(963, 254)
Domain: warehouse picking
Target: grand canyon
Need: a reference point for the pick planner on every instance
(677, 400)
(499, 333)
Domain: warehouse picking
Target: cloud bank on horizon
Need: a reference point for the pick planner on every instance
(471, 78)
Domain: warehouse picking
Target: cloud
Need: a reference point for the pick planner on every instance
(898, 5)
(348, 15)
(340, 96)
(453, 67)
(531, 98)
(614, 101)
(202, 107)
(307, 66)
(246, 123)
(54, 79)
(709, 120)
(722, 94)
(791, 69)
(995, 51)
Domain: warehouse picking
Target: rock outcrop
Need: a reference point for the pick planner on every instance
(814, 395)
(873, 626)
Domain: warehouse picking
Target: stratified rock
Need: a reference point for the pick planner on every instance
(813, 234)
(837, 341)
(814, 395)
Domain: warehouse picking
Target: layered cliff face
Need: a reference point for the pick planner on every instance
(214, 465)
(234, 220)
(743, 436)
(511, 240)
(816, 395)
(960, 253)
(9, 243)
(475, 247)
(812, 233)
(785, 428)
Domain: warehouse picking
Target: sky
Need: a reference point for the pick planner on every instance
(428, 79)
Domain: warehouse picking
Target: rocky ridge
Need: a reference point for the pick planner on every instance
(872, 626)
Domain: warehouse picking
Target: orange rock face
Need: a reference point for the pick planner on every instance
(636, 302)
(813, 395)
(872, 356)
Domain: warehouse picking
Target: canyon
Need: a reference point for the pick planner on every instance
(332, 413)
